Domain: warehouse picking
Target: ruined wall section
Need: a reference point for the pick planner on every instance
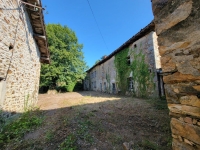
(19, 58)
(177, 26)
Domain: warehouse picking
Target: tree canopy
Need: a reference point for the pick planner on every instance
(97, 62)
(67, 61)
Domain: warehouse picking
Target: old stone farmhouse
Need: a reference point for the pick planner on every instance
(23, 46)
(134, 68)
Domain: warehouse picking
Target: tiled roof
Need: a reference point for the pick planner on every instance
(37, 21)
(150, 27)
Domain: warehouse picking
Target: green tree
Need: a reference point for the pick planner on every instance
(97, 62)
(67, 61)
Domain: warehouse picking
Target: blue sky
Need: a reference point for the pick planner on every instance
(118, 21)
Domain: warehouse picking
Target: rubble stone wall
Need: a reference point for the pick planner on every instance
(178, 29)
(19, 59)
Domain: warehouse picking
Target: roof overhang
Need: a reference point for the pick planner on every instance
(35, 12)
(149, 28)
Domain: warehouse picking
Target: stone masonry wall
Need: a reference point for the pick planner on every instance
(19, 59)
(103, 77)
(148, 46)
(178, 29)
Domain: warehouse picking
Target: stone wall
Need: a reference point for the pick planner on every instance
(178, 29)
(147, 45)
(19, 59)
(103, 77)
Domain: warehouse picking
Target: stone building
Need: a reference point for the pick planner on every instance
(23, 46)
(105, 76)
(177, 26)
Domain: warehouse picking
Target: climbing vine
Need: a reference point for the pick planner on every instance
(141, 76)
(108, 81)
(122, 69)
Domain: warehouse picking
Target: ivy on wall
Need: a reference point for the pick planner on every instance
(108, 89)
(122, 69)
(142, 77)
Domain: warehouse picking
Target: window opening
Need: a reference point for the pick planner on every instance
(128, 60)
(135, 46)
(130, 84)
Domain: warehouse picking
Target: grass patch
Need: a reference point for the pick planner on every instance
(69, 143)
(81, 132)
(16, 129)
(2, 121)
(146, 145)
(159, 103)
(49, 135)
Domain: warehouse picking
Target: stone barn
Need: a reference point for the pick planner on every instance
(132, 69)
(23, 47)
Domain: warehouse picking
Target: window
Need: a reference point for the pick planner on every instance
(150, 70)
(113, 88)
(130, 84)
(94, 84)
(128, 60)
(135, 46)
(91, 74)
(104, 86)
(101, 87)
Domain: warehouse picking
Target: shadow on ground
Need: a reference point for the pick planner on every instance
(93, 120)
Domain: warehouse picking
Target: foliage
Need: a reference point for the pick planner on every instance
(15, 130)
(97, 62)
(67, 60)
(49, 135)
(122, 69)
(141, 76)
(78, 86)
(146, 144)
(81, 133)
(2, 120)
(108, 81)
(140, 73)
(160, 104)
(83, 130)
(69, 143)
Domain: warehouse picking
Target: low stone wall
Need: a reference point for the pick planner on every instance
(19, 59)
(178, 29)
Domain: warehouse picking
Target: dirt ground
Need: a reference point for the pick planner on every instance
(98, 121)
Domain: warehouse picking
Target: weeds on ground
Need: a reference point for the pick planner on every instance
(159, 103)
(81, 132)
(69, 143)
(146, 144)
(25, 123)
(2, 121)
(115, 139)
(49, 135)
